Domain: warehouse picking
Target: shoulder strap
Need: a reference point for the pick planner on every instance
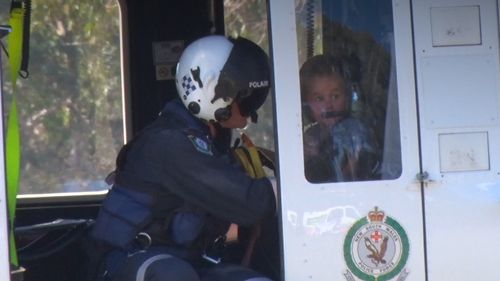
(252, 158)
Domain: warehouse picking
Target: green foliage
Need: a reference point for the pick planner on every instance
(71, 104)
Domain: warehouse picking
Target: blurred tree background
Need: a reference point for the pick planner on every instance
(70, 106)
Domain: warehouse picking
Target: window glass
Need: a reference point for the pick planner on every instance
(248, 18)
(70, 105)
(348, 92)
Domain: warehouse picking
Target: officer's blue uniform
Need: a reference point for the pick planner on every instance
(175, 192)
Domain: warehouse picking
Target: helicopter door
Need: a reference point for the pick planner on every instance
(457, 58)
(351, 206)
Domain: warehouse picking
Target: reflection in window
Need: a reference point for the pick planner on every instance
(70, 106)
(348, 92)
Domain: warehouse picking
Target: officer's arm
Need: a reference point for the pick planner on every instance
(214, 184)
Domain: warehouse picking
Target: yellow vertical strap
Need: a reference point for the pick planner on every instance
(257, 171)
(13, 144)
(249, 157)
(15, 41)
(254, 157)
(243, 159)
(13, 156)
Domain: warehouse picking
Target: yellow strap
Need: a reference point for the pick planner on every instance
(249, 157)
(13, 157)
(254, 157)
(245, 161)
(13, 142)
(15, 41)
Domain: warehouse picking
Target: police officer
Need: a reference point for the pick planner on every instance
(176, 188)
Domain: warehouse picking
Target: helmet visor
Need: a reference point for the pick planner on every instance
(245, 77)
(250, 103)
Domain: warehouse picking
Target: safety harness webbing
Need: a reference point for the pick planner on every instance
(13, 157)
(248, 155)
(250, 158)
(20, 12)
(18, 61)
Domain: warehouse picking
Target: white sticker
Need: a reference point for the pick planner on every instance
(167, 52)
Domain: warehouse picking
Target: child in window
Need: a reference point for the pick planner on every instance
(337, 147)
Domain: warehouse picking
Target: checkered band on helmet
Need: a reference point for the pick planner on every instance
(187, 85)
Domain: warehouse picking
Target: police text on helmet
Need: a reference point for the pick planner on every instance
(258, 84)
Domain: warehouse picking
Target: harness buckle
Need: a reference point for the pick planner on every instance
(214, 250)
(143, 240)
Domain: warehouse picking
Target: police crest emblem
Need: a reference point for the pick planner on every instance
(200, 145)
(376, 248)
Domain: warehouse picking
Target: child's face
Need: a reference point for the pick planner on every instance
(326, 96)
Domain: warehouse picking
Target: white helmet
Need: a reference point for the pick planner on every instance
(215, 71)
